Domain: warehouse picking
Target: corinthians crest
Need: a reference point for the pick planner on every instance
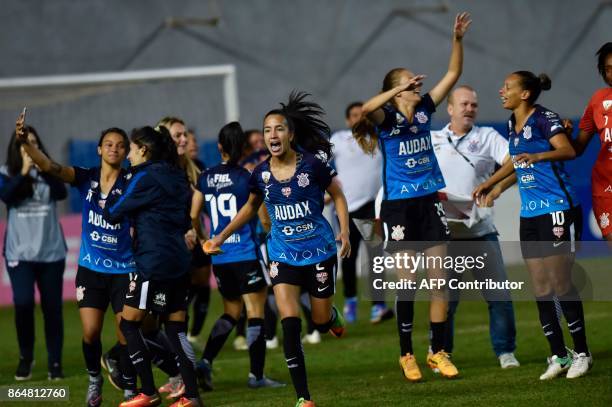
(398, 232)
(273, 269)
(421, 117)
(527, 132)
(303, 180)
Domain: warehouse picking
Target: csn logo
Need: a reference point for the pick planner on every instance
(411, 162)
(527, 178)
(290, 230)
(96, 237)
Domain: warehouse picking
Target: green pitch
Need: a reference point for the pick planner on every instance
(362, 369)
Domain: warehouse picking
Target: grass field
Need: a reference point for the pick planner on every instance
(362, 369)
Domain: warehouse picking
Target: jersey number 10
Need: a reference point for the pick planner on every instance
(222, 205)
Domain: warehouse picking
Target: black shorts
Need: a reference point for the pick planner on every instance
(318, 279)
(97, 290)
(199, 258)
(420, 219)
(556, 233)
(158, 296)
(236, 279)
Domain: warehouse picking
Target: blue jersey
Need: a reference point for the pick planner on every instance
(226, 190)
(300, 235)
(105, 247)
(410, 168)
(544, 186)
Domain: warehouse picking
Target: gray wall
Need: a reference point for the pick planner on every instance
(337, 50)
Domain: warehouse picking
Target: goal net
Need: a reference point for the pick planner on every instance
(66, 108)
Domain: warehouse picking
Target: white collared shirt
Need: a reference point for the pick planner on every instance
(359, 173)
(483, 147)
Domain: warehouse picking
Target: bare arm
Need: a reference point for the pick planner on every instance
(506, 170)
(343, 216)
(497, 190)
(581, 142)
(244, 215)
(562, 151)
(197, 201)
(455, 65)
(45, 164)
(264, 218)
(372, 109)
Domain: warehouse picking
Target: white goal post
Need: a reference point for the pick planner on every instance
(227, 72)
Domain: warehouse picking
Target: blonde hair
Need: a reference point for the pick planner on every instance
(191, 170)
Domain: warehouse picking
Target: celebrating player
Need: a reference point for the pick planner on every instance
(238, 270)
(410, 208)
(550, 215)
(105, 259)
(158, 194)
(301, 245)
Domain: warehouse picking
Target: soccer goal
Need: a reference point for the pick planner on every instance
(79, 106)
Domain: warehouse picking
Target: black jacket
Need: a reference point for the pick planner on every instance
(157, 199)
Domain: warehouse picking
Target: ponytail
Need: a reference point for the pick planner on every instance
(233, 141)
(534, 84)
(157, 141)
(365, 134)
(310, 132)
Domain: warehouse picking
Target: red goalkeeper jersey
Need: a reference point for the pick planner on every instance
(597, 118)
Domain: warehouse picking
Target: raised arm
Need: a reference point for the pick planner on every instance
(455, 65)
(372, 109)
(43, 162)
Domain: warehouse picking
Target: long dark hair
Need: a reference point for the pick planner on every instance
(310, 132)
(602, 54)
(364, 130)
(534, 84)
(233, 141)
(159, 144)
(14, 163)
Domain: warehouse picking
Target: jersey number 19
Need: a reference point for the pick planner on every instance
(222, 205)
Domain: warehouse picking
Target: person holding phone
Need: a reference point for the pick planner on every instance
(106, 260)
(34, 250)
